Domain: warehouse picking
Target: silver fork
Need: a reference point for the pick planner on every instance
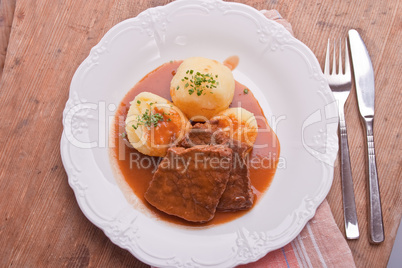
(340, 84)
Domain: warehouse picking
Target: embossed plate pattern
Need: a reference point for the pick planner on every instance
(286, 79)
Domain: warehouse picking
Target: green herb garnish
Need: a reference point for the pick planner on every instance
(198, 82)
(138, 101)
(149, 118)
(245, 91)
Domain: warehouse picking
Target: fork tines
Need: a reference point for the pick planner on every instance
(327, 60)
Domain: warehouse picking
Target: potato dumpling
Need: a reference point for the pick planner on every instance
(202, 88)
(153, 124)
(239, 124)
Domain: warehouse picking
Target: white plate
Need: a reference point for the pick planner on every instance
(281, 71)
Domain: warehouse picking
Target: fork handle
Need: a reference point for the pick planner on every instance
(349, 206)
(376, 225)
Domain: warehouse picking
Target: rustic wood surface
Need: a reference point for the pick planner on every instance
(6, 20)
(43, 42)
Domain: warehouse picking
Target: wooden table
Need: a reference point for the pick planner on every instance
(43, 42)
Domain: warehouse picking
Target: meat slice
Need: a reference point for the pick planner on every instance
(204, 134)
(189, 182)
(238, 194)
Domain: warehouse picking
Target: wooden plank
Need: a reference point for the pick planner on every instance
(40, 221)
(6, 19)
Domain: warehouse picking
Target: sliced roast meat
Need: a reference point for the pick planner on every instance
(238, 194)
(204, 134)
(189, 182)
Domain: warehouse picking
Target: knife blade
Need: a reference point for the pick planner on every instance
(365, 91)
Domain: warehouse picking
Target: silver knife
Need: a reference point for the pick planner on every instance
(364, 82)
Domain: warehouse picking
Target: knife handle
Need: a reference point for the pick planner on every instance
(348, 196)
(376, 225)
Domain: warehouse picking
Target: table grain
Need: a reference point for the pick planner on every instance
(42, 44)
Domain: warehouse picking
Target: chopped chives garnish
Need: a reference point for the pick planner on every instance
(199, 82)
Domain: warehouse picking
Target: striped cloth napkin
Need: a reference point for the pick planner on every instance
(320, 243)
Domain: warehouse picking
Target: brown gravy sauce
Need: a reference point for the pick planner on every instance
(265, 158)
